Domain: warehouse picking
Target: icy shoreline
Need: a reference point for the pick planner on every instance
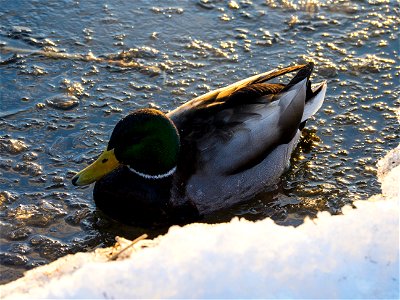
(355, 255)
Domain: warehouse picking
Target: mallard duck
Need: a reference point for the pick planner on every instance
(208, 154)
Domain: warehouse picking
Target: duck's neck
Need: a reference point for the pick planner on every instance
(156, 157)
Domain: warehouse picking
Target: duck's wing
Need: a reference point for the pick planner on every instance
(234, 128)
(219, 96)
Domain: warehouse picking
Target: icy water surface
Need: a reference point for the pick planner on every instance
(71, 69)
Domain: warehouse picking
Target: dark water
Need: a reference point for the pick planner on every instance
(70, 70)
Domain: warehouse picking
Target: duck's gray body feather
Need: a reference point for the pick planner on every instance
(223, 191)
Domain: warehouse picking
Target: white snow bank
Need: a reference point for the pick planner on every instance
(355, 255)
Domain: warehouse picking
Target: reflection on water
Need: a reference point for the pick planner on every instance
(70, 70)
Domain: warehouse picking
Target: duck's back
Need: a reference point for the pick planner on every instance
(237, 144)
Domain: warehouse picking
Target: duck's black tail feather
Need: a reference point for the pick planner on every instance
(304, 72)
(314, 98)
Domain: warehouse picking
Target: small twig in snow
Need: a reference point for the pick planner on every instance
(115, 256)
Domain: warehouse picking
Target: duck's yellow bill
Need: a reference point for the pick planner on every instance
(102, 166)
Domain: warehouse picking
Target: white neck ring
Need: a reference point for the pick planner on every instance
(147, 176)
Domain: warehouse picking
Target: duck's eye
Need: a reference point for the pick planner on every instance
(104, 160)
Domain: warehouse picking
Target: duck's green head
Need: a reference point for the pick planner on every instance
(146, 141)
